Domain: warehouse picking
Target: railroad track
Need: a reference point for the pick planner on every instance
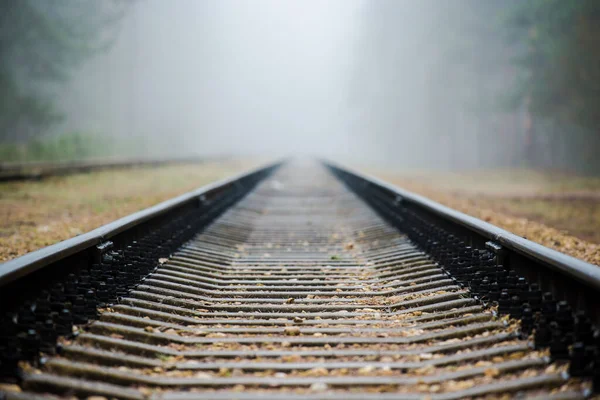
(300, 290)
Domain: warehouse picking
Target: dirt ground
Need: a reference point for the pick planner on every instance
(558, 210)
(34, 214)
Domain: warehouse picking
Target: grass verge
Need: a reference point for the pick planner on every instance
(36, 214)
(559, 211)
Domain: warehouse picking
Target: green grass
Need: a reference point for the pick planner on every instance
(69, 147)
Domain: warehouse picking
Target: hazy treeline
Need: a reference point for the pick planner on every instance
(41, 43)
(471, 83)
(427, 83)
(214, 77)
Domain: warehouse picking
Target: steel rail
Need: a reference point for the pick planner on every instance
(566, 277)
(31, 262)
(586, 273)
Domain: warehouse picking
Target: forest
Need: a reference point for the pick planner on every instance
(41, 44)
(466, 83)
(504, 83)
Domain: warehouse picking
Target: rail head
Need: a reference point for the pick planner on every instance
(36, 260)
(585, 273)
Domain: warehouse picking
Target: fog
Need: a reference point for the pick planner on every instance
(263, 77)
(412, 84)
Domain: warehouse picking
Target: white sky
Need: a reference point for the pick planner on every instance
(225, 76)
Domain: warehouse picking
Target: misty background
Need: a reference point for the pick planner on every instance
(407, 84)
